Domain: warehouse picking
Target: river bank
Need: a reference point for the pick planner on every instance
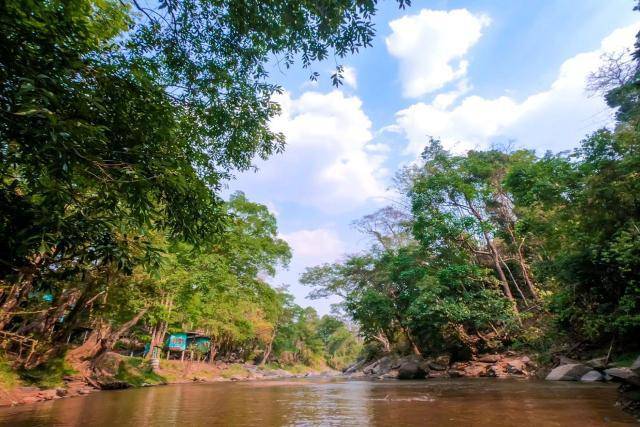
(115, 371)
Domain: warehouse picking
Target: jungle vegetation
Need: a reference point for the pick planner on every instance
(506, 248)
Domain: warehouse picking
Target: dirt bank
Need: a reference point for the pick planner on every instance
(115, 371)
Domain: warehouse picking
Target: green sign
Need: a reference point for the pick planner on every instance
(177, 342)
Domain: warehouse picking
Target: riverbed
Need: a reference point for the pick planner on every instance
(336, 402)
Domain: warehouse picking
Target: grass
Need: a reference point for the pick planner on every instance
(625, 359)
(137, 372)
(234, 371)
(8, 376)
(48, 375)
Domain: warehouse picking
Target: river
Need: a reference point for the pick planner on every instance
(459, 402)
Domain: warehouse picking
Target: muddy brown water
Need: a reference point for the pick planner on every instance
(336, 402)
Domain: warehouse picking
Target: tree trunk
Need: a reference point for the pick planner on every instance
(382, 338)
(110, 339)
(267, 351)
(407, 334)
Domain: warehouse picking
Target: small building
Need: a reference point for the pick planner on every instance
(195, 344)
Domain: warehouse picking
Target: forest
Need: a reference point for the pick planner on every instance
(506, 248)
(121, 125)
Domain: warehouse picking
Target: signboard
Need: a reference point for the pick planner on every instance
(177, 342)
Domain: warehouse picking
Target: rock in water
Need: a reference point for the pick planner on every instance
(570, 372)
(411, 371)
(625, 375)
(592, 376)
(436, 367)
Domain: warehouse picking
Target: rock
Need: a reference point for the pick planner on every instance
(599, 363)
(61, 392)
(625, 375)
(114, 385)
(635, 366)
(384, 365)
(459, 366)
(411, 370)
(496, 371)
(443, 360)
(476, 370)
(489, 358)
(570, 372)
(454, 373)
(516, 367)
(392, 374)
(355, 367)
(436, 366)
(592, 376)
(48, 394)
(30, 399)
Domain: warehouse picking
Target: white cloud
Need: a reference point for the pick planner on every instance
(328, 161)
(349, 76)
(431, 47)
(554, 119)
(320, 244)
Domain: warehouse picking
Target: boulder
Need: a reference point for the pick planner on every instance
(570, 372)
(516, 367)
(392, 374)
(443, 360)
(385, 365)
(381, 366)
(489, 358)
(475, 369)
(592, 376)
(635, 366)
(454, 373)
(411, 370)
(496, 371)
(436, 366)
(624, 375)
(355, 367)
(599, 363)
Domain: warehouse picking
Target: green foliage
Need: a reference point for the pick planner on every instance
(510, 248)
(48, 375)
(119, 123)
(137, 372)
(9, 378)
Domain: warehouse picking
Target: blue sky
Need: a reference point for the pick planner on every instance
(471, 73)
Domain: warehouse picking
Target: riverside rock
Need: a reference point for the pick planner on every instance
(490, 358)
(411, 370)
(592, 376)
(569, 372)
(599, 363)
(625, 375)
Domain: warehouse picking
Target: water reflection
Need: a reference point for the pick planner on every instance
(336, 403)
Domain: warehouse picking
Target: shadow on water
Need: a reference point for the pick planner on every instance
(477, 402)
